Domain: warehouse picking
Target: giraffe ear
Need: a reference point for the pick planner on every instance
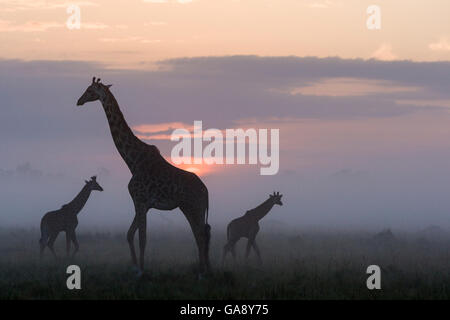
(86, 181)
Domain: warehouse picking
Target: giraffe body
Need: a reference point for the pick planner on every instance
(65, 219)
(247, 226)
(155, 183)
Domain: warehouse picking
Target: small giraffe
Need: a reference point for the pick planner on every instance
(155, 183)
(65, 219)
(247, 226)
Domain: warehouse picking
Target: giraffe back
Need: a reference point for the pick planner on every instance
(59, 220)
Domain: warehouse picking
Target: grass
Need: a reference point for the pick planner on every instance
(314, 265)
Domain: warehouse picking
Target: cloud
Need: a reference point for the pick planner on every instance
(41, 26)
(31, 26)
(162, 127)
(93, 25)
(155, 23)
(348, 174)
(160, 131)
(425, 103)
(23, 5)
(26, 171)
(442, 45)
(351, 87)
(384, 53)
(128, 39)
(326, 4)
(167, 1)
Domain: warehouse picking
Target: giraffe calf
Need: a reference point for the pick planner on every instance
(247, 226)
(65, 219)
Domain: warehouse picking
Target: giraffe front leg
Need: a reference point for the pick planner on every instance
(255, 247)
(73, 237)
(142, 224)
(68, 240)
(227, 248)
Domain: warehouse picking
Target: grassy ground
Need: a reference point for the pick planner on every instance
(296, 266)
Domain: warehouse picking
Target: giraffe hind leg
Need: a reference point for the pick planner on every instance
(226, 249)
(249, 246)
(142, 222)
(255, 247)
(130, 239)
(196, 220)
(233, 251)
(51, 242)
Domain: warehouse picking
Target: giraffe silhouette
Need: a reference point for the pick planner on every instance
(247, 226)
(65, 219)
(155, 183)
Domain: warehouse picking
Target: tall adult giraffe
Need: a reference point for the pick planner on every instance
(155, 183)
(247, 226)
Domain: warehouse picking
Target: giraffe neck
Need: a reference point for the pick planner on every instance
(124, 139)
(79, 201)
(262, 210)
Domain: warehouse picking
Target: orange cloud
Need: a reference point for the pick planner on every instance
(384, 53)
(350, 87)
(442, 45)
(162, 127)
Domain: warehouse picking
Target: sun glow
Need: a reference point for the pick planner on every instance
(200, 170)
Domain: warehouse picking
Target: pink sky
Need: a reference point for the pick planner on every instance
(125, 33)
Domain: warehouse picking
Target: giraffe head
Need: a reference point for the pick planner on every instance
(276, 198)
(96, 91)
(93, 184)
